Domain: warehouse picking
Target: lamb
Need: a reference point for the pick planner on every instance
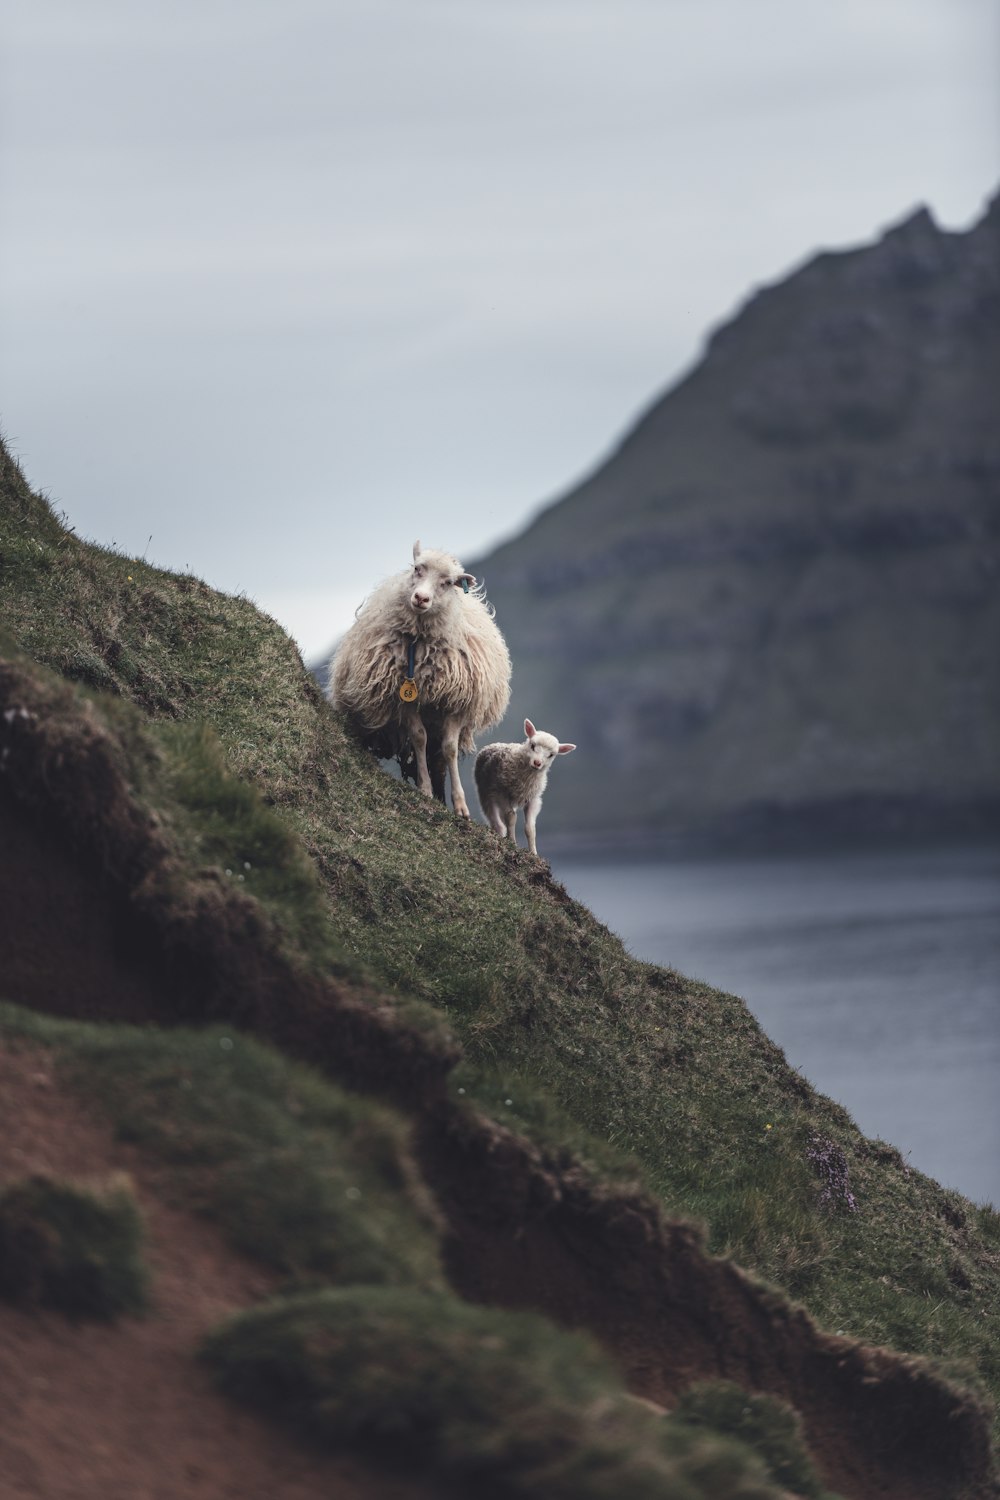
(423, 669)
(513, 776)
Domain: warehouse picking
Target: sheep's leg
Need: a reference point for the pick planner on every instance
(496, 820)
(436, 766)
(511, 827)
(418, 739)
(449, 747)
(531, 810)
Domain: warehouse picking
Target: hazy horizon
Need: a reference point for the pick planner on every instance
(283, 290)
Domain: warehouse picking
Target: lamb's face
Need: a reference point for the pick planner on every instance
(434, 579)
(541, 750)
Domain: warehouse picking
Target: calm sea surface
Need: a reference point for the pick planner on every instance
(879, 975)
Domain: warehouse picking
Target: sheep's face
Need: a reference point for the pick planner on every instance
(434, 579)
(540, 748)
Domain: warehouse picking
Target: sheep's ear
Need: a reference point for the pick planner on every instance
(467, 580)
(565, 749)
(529, 728)
(416, 550)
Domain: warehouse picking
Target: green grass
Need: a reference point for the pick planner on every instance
(367, 1347)
(499, 1402)
(314, 1181)
(73, 1246)
(224, 824)
(767, 1425)
(639, 1070)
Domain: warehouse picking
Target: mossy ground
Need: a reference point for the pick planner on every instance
(363, 1346)
(767, 1425)
(73, 1246)
(635, 1069)
(316, 1182)
(498, 1401)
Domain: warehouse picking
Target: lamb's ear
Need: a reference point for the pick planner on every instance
(565, 749)
(467, 580)
(416, 550)
(529, 728)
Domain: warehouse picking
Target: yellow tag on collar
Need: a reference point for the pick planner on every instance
(408, 692)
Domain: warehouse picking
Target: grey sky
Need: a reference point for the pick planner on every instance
(284, 285)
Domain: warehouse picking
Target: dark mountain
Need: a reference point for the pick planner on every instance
(775, 605)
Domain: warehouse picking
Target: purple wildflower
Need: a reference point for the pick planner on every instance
(830, 1162)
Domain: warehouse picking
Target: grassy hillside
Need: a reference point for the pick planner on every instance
(167, 756)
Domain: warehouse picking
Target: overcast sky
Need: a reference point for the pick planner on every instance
(287, 283)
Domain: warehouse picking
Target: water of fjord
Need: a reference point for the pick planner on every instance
(878, 973)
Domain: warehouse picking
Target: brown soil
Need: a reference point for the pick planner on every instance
(124, 1411)
(522, 1231)
(92, 890)
(879, 1425)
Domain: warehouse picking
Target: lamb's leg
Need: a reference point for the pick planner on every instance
(531, 810)
(496, 821)
(449, 748)
(418, 739)
(512, 825)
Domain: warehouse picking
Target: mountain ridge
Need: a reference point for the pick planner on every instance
(779, 588)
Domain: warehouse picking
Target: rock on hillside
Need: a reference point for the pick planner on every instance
(776, 603)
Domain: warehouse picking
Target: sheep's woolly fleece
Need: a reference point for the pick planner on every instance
(461, 662)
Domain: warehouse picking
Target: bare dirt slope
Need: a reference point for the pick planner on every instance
(125, 1411)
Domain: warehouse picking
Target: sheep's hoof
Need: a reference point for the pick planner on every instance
(462, 812)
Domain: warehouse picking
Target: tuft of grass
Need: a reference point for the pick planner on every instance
(73, 1246)
(495, 1400)
(298, 1173)
(768, 1426)
(223, 823)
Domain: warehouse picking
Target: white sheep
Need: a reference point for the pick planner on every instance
(423, 666)
(511, 776)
